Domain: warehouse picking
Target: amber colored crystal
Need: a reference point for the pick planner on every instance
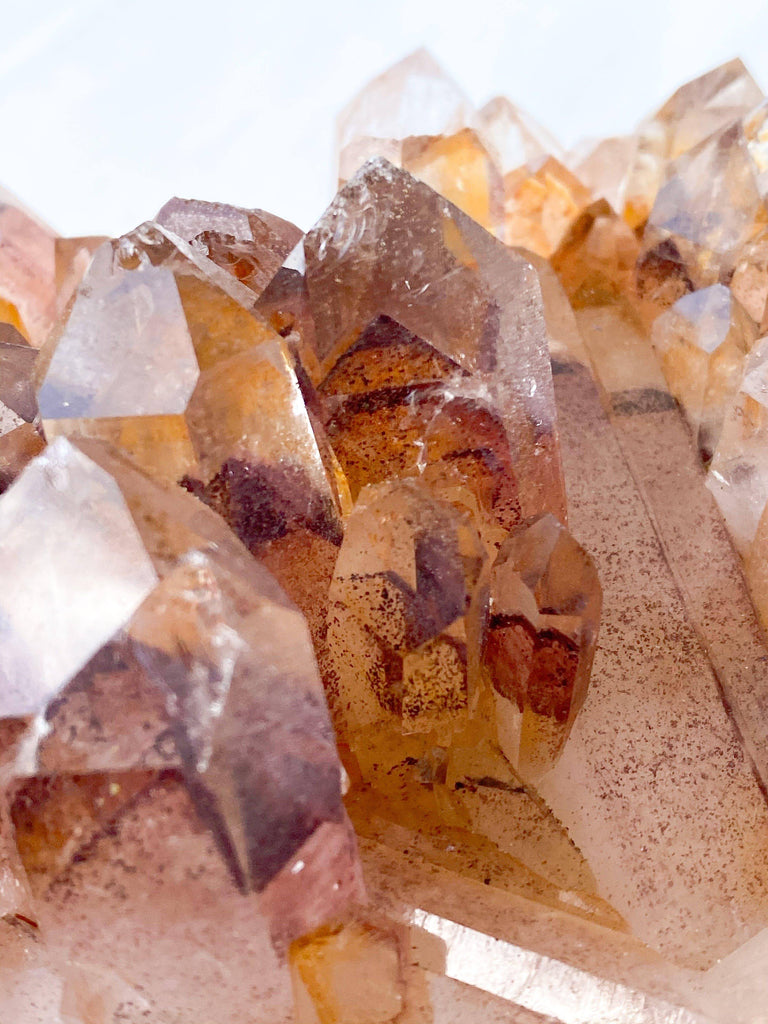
(749, 283)
(414, 98)
(73, 256)
(702, 342)
(540, 203)
(351, 974)
(543, 616)
(399, 643)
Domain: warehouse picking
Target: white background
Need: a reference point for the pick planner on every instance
(107, 109)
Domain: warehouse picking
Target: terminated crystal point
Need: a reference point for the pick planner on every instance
(398, 635)
(702, 342)
(162, 356)
(512, 137)
(27, 273)
(543, 616)
(250, 244)
(541, 201)
(147, 592)
(697, 110)
(738, 473)
(710, 204)
(603, 166)
(596, 259)
(413, 98)
(417, 118)
(428, 347)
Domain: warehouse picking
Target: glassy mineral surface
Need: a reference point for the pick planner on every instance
(171, 647)
(389, 412)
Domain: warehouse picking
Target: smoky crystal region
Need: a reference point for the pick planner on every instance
(205, 625)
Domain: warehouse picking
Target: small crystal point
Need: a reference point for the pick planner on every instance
(249, 244)
(694, 112)
(544, 611)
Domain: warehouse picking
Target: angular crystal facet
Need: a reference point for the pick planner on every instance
(413, 98)
(417, 118)
(738, 473)
(398, 658)
(428, 345)
(602, 166)
(695, 111)
(541, 201)
(710, 203)
(154, 581)
(27, 273)
(17, 363)
(702, 342)
(162, 356)
(512, 137)
(544, 611)
(250, 244)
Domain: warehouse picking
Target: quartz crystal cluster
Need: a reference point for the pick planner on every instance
(306, 544)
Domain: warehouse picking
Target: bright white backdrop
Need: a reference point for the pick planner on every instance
(108, 108)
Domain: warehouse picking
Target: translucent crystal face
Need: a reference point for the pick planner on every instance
(162, 621)
(395, 277)
(250, 244)
(27, 266)
(543, 615)
(697, 110)
(161, 355)
(371, 408)
(702, 342)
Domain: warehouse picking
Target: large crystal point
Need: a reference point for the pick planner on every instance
(162, 356)
(428, 345)
(112, 562)
(702, 341)
(698, 108)
(543, 615)
(250, 244)
(602, 166)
